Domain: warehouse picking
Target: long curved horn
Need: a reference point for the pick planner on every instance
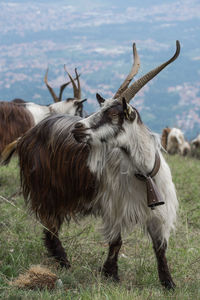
(75, 89)
(79, 86)
(55, 98)
(133, 72)
(63, 86)
(137, 85)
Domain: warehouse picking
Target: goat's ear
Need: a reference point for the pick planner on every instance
(125, 108)
(100, 99)
(124, 105)
(79, 101)
(129, 114)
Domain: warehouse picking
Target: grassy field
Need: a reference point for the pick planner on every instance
(21, 246)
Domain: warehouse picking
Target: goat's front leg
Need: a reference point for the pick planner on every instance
(55, 248)
(160, 247)
(110, 267)
(163, 269)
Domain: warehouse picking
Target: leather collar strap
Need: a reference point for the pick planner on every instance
(154, 197)
(156, 166)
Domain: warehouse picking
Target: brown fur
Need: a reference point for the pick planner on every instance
(164, 137)
(14, 121)
(54, 173)
(18, 101)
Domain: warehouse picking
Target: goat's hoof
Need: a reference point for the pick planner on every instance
(169, 284)
(65, 264)
(110, 273)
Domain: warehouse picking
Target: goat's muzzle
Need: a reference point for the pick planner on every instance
(80, 133)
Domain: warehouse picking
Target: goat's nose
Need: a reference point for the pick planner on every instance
(78, 125)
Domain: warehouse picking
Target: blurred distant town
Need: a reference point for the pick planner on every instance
(96, 37)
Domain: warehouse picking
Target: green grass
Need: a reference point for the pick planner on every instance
(21, 246)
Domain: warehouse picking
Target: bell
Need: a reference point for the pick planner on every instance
(154, 197)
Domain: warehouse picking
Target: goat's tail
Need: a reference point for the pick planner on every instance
(8, 152)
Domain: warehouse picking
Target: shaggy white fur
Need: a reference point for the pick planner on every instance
(39, 112)
(122, 198)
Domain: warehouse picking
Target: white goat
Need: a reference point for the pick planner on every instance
(176, 142)
(109, 164)
(196, 142)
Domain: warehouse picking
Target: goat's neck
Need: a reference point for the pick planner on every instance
(132, 152)
(141, 146)
(62, 107)
(56, 107)
(39, 112)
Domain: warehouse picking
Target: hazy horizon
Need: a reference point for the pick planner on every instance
(96, 37)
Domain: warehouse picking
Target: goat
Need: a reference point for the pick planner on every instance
(185, 148)
(174, 142)
(195, 147)
(17, 117)
(196, 142)
(101, 165)
(74, 105)
(164, 137)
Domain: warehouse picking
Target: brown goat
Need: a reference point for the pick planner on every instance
(17, 116)
(19, 120)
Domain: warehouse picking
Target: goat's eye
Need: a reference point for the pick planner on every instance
(132, 116)
(113, 112)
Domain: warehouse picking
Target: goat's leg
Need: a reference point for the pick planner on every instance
(110, 267)
(54, 247)
(160, 247)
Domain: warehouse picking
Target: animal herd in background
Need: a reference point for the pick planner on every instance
(174, 142)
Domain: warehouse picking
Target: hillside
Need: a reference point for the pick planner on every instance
(22, 246)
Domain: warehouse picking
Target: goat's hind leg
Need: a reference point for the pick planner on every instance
(110, 267)
(160, 247)
(54, 247)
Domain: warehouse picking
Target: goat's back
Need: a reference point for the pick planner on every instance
(55, 177)
(15, 120)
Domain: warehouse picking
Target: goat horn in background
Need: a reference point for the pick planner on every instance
(79, 86)
(75, 89)
(55, 98)
(63, 86)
